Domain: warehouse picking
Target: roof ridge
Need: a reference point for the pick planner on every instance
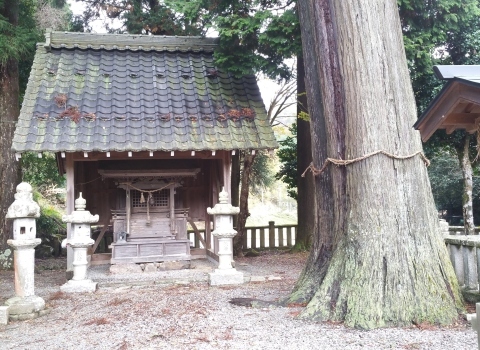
(134, 42)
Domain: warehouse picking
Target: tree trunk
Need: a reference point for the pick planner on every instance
(305, 185)
(235, 181)
(377, 216)
(248, 159)
(9, 167)
(467, 197)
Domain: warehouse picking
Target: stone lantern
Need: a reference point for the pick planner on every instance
(223, 213)
(80, 240)
(24, 211)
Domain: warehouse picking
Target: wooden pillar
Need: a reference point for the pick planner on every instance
(262, 238)
(172, 210)
(289, 237)
(227, 178)
(128, 204)
(253, 236)
(271, 234)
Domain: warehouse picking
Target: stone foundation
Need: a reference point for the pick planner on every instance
(30, 316)
(25, 308)
(150, 267)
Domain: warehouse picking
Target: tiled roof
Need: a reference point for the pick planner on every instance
(90, 92)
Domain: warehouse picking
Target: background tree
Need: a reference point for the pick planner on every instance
(21, 25)
(442, 32)
(17, 40)
(447, 181)
(287, 154)
(378, 259)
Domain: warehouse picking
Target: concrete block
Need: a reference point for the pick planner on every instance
(82, 286)
(274, 278)
(4, 314)
(220, 278)
(257, 279)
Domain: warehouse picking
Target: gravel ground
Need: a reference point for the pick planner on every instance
(178, 310)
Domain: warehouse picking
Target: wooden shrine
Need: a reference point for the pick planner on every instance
(457, 105)
(145, 127)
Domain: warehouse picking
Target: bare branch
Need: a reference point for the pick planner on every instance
(50, 17)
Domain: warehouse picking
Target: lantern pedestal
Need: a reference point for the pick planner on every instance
(23, 211)
(79, 283)
(223, 213)
(80, 219)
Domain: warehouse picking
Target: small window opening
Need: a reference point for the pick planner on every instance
(22, 230)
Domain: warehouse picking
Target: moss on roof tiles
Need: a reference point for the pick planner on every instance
(132, 98)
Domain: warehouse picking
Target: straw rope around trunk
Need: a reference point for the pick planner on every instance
(341, 162)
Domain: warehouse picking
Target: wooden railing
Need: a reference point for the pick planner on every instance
(258, 237)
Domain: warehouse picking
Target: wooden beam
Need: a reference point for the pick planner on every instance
(471, 128)
(436, 116)
(469, 108)
(156, 173)
(460, 119)
(450, 129)
(197, 232)
(470, 94)
(94, 156)
(99, 239)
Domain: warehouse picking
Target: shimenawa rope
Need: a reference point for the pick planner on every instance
(341, 162)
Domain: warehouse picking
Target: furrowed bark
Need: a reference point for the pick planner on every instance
(389, 264)
(467, 196)
(9, 167)
(324, 95)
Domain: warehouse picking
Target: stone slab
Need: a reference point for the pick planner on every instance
(83, 286)
(125, 268)
(220, 278)
(257, 279)
(174, 265)
(27, 305)
(4, 314)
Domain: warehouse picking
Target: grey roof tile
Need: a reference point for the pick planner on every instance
(137, 98)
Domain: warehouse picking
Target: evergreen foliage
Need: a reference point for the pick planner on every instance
(437, 32)
(17, 40)
(41, 171)
(255, 36)
(288, 157)
(261, 176)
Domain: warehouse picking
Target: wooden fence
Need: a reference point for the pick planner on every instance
(259, 237)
